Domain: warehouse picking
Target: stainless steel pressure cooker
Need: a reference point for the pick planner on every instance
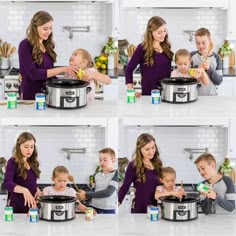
(56, 207)
(174, 209)
(66, 94)
(179, 90)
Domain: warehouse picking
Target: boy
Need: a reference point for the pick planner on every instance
(104, 198)
(220, 198)
(210, 61)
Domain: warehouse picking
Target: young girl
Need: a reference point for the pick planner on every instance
(208, 60)
(143, 172)
(183, 63)
(22, 172)
(154, 56)
(168, 177)
(82, 59)
(60, 177)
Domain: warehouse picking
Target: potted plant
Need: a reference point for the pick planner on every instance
(110, 49)
(122, 60)
(225, 168)
(224, 51)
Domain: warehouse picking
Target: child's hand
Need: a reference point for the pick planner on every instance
(82, 207)
(211, 194)
(137, 94)
(177, 194)
(81, 195)
(88, 76)
(205, 65)
(38, 193)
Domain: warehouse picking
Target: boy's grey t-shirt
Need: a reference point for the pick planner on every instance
(102, 181)
(214, 73)
(225, 199)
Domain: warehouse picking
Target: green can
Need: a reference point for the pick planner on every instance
(8, 214)
(11, 101)
(131, 96)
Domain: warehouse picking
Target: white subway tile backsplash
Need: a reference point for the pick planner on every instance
(19, 14)
(172, 140)
(177, 20)
(50, 141)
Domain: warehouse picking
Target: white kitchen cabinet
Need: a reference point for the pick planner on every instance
(176, 4)
(231, 20)
(228, 87)
(1, 89)
(3, 202)
(232, 138)
(111, 91)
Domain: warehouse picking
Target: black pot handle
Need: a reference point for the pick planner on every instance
(88, 89)
(199, 86)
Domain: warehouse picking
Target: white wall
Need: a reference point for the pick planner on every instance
(134, 21)
(50, 140)
(15, 18)
(171, 142)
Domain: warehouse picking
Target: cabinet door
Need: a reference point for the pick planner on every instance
(3, 202)
(231, 20)
(110, 91)
(1, 90)
(175, 4)
(232, 138)
(227, 88)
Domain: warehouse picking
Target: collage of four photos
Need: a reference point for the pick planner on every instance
(118, 117)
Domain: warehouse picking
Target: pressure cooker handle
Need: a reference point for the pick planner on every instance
(44, 91)
(88, 89)
(199, 86)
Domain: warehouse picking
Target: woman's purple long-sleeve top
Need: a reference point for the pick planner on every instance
(33, 75)
(144, 192)
(12, 179)
(151, 75)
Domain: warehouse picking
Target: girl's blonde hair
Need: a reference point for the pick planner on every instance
(142, 141)
(18, 157)
(153, 24)
(40, 18)
(167, 170)
(59, 170)
(87, 56)
(182, 53)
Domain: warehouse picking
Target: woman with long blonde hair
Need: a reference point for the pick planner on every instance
(37, 56)
(144, 172)
(21, 175)
(153, 55)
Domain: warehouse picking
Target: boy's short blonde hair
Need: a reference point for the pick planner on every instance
(110, 151)
(167, 170)
(207, 157)
(59, 170)
(182, 53)
(203, 32)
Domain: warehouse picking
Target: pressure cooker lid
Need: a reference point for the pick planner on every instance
(66, 83)
(56, 199)
(179, 81)
(172, 199)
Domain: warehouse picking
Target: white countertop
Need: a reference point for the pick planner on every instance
(207, 110)
(122, 225)
(95, 113)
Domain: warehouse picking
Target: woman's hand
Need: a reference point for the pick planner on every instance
(71, 70)
(38, 193)
(29, 199)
